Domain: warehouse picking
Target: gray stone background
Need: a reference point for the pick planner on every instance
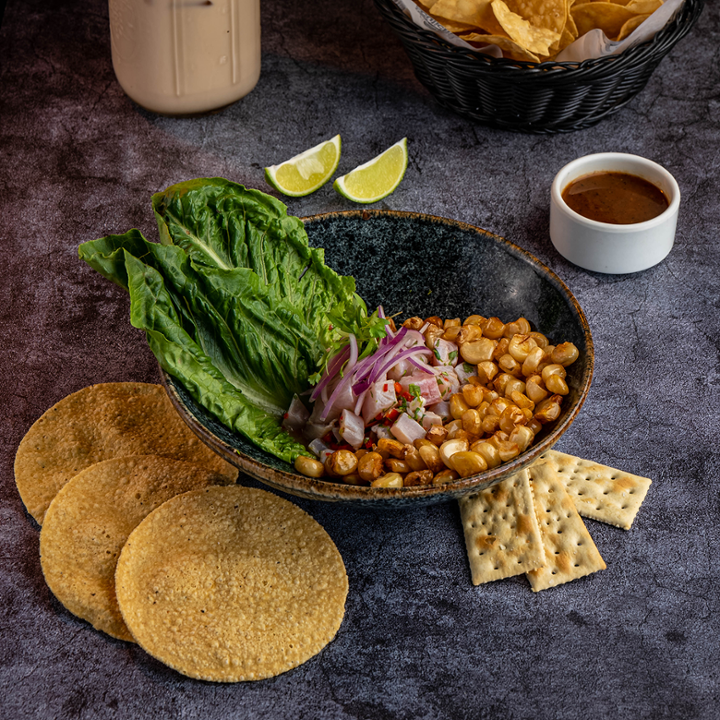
(78, 160)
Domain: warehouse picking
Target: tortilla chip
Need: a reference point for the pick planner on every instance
(476, 13)
(548, 14)
(536, 40)
(89, 521)
(630, 26)
(606, 16)
(98, 423)
(510, 48)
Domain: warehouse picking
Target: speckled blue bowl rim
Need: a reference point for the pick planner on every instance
(298, 485)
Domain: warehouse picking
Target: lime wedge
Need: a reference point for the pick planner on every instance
(377, 178)
(307, 171)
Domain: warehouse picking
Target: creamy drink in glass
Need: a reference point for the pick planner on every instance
(184, 57)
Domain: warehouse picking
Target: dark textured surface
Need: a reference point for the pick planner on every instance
(79, 160)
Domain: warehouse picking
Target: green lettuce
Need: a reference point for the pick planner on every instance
(234, 302)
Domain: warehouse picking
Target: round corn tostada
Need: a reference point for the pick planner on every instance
(89, 521)
(101, 422)
(231, 583)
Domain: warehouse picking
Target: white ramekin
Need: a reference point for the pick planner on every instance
(605, 247)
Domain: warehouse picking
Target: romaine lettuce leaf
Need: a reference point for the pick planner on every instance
(234, 303)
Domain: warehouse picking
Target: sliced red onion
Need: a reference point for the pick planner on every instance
(342, 384)
(333, 366)
(405, 354)
(353, 351)
(360, 401)
(422, 366)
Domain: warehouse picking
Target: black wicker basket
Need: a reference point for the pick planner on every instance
(549, 97)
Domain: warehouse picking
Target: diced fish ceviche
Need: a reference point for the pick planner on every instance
(438, 400)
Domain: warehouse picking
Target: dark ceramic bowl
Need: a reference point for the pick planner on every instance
(421, 265)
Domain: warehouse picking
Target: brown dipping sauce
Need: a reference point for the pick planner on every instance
(615, 197)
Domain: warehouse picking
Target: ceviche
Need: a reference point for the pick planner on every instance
(437, 400)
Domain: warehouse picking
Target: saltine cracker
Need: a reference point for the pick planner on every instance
(598, 491)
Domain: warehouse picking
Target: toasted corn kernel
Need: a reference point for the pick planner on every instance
(500, 382)
(500, 349)
(341, 462)
(532, 361)
(467, 462)
(393, 447)
(397, 466)
(490, 423)
(493, 328)
(421, 442)
(309, 466)
(565, 354)
(413, 459)
(370, 466)
(456, 334)
(521, 400)
(507, 450)
(514, 385)
(458, 406)
(472, 422)
(459, 433)
(391, 480)
(553, 369)
(482, 408)
(437, 435)
(520, 327)
(548, 410)
(540, 339)
(498, 437)
(520, 347)
(413, 323)
(471, 334)
(498, 407)
(431, 457)
(418, 477)
(534, 425)
(555, 384)
(445, 476)
(472, 394)
(486, 371)
(434, 320)
(511, 417)
(508, 364)
(488, 451)
(478, 320)
(450, 447)
(534, 389)
(452, 322)
(453, 425)
(432, 334)
(523, 436)
(477, 351)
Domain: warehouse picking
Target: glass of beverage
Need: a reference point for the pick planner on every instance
(185, 57)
